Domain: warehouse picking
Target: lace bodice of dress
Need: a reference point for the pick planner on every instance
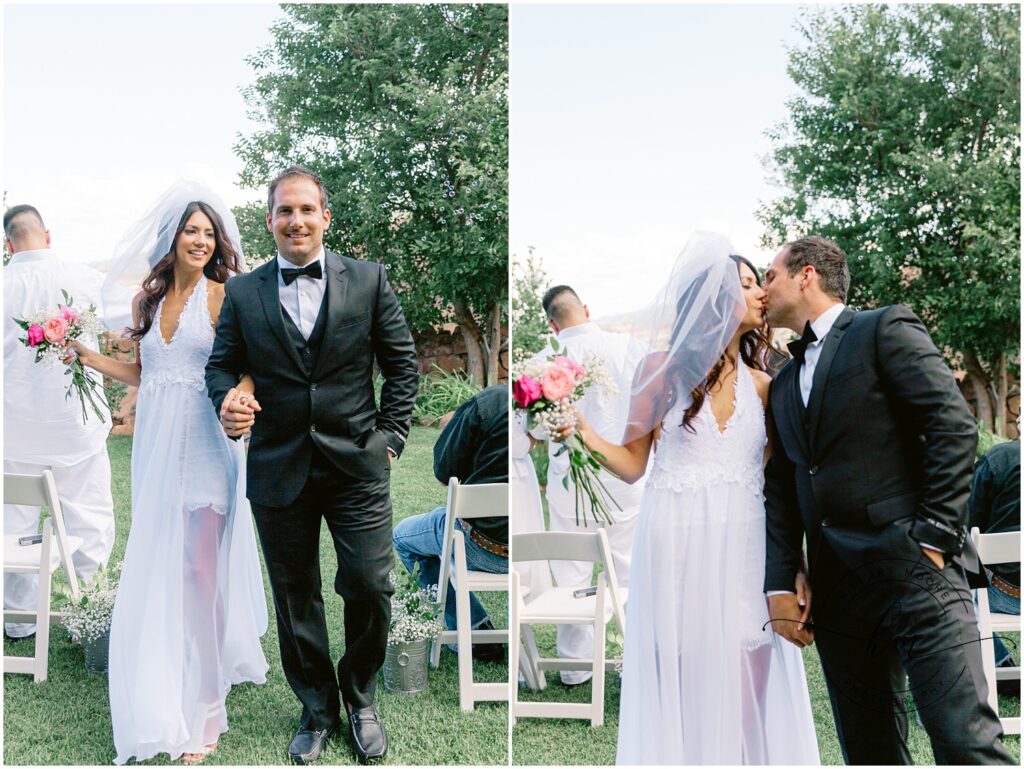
(686, 460)
(183, 361)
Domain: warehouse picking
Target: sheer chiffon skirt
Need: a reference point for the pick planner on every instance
(705, 680)
(190, 607)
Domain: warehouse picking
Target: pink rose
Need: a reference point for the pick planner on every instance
(574, 368)
(68, 314)
(55, 329)
(526, 390)
(557, 383)
(35, 335)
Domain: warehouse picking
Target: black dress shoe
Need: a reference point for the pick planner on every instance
(366, 728)
(307, 745)
(488, 652)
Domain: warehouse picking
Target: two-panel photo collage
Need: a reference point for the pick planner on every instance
(481, 384)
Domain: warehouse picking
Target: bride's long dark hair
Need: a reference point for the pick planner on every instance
(221, 266)
(754, 346)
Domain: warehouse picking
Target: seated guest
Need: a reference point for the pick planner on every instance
(994, 507)
(473, 447)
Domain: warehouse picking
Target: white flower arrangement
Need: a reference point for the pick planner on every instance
(89, 617)
(415, 612)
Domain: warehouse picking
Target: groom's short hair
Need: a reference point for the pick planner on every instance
(12, 229)
(293, 171)
(559, 302)
(827, 259)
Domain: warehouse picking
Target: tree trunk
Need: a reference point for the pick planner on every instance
(1002, 384)
(476, 356)
(982, 397)
(493, 344)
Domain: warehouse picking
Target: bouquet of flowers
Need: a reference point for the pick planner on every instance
(415, 612)
(47, 332)
(547, 390)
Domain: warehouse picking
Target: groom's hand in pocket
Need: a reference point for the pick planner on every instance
(789, 618)
(238, 412)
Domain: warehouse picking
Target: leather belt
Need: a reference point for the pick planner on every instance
(1003, 586)
(482, 540)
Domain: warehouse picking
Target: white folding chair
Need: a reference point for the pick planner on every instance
(486, 500)
(994, 549)
(43, 559)
(558, 606)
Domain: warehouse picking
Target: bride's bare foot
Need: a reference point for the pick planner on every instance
(191, 759)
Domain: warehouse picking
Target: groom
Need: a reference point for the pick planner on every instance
(308, 327)
(872, 447)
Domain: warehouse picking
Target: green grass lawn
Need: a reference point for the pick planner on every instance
(66, 719)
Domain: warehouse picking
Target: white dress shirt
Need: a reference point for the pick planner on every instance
(821, 326)
(41, 425)
(302, 299)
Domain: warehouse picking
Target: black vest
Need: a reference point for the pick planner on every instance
(308, 349)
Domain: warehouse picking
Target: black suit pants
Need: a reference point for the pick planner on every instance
(898, 635)
(359, 518)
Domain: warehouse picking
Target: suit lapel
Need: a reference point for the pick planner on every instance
(829, 347)
(337, 288)
(270, 298)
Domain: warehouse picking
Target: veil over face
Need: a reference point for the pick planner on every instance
(687, 327)
(149, 239)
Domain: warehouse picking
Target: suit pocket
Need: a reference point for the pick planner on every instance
(351, 320)
(846, 373)
(892, 508)
(362, 423)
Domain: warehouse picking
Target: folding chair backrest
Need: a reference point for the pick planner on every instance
(42, 490)
(484, 500)
(997, 548)
(556, 545)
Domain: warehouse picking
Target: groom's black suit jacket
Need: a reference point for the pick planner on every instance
(880, 459)
(330, 408)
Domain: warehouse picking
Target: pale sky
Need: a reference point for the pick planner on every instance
(632, 126)
(106, 105)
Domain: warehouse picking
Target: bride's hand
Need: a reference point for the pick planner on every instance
(238, 412)
(564, 433)
(75, 349)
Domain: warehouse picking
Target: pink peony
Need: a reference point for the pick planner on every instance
(35, 335)
(68, 314)
(557, 383)
(55, 329)
(574, 368)
(526, 390)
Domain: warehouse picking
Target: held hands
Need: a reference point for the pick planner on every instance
(238, 412)
(793, 613)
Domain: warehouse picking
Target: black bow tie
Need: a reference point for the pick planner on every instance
(313, 270)
(798, 347)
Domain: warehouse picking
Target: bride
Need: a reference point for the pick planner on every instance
(190, 606)
(705, 680)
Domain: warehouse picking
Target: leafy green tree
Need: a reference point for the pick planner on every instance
(402, 109)
(530, 330)
(904, 147)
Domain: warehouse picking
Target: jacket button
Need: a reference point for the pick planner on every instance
(312, 387)
(813, 470)
(825, 523)
(312, 428)
(307, 351)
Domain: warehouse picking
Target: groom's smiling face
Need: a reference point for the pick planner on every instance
(298, 220)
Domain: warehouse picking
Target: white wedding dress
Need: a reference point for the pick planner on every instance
(704, 680)
(190, 607)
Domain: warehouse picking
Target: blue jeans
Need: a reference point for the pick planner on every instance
(420, 538)
(998, 601)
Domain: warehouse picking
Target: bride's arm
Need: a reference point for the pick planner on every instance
(628, 462)
(129, 373)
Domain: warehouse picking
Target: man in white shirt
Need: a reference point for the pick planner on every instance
(42, 428)
(581, 339)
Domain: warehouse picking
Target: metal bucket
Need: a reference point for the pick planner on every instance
(97, 652)
(405, 667)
